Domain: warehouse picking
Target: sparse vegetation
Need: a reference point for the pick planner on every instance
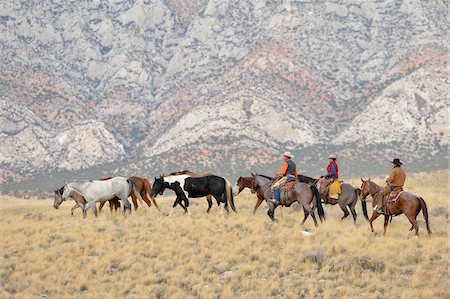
(47, 253)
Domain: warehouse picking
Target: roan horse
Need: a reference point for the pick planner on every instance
(300, 192)
(407, 203)
(98, 191)
(80, 201)
(348, 198)
(185, 186)
(247, 182)
(144, 189)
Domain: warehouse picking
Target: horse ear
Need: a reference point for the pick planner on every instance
(252, 174)
(362, 180)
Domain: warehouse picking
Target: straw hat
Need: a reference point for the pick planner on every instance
(288, 154)
(332, 156)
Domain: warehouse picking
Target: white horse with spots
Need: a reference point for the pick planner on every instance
(98, 191)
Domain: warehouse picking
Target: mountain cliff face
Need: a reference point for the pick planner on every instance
(222, 86)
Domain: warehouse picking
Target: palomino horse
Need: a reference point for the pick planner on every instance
(407, 203)
(247, 182)
(98, 191)
(80, 201)
(300, 192)
(144, 189)
(186, 186)
(196, 175)
(348, 198)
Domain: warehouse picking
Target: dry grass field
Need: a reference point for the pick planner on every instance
(47, 253)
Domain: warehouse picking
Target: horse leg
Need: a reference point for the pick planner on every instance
(344, 209)
(73, 208)
(310, 211)
(258, 203)
(94, 208)
(186, 202)
(374, 216)
(208, 198)
(111, 206)
(386, 221)
(305, 216)
(145, 199)
(101, 206)
(86, 207)
(414, 223)
(134, 200)
(271, 212)
(352, 209)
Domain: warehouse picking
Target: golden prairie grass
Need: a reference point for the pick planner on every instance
(47, 253)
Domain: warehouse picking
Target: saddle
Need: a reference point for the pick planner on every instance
(394, 194)
(286, 189)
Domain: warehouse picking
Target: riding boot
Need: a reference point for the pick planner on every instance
(276, 195)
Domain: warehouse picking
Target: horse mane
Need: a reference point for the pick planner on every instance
(178, 172)
(265, 176)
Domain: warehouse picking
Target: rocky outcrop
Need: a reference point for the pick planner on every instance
(219, 84)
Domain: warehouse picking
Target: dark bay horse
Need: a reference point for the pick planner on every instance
(348, 198)
(407, 203)
(247, 182)
(300, 192)
(186, 187)
(145, 190)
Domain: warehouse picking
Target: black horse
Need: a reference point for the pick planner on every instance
(186, 187)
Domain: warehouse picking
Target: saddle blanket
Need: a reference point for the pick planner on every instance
(335, 189)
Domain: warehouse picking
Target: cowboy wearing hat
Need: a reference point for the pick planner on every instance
(288, 171)
(395, 179)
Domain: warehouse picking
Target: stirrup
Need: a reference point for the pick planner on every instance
(377, 209)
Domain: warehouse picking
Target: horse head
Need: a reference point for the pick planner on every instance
(366, 189)
(159, 185)
(58, 197)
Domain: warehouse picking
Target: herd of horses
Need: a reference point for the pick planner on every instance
(186, 185)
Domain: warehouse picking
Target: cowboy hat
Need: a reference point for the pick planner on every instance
(397, 161)
(332, 156)
(288, 154)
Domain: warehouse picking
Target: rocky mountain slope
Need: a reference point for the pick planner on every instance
(224, 86)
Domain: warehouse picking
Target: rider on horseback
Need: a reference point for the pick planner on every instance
(330, 177)
(395, 180)
(288, 171)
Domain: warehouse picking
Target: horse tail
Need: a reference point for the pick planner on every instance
(320, 210)
(135, 189)
(229, 194)
(363, 204)
(423, 205)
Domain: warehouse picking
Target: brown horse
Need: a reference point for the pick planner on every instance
(144, 188)
(247, 182)
(407, 203)
(196, 175)
(300, 192)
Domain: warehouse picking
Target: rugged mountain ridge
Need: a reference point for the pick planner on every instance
(158, 85)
